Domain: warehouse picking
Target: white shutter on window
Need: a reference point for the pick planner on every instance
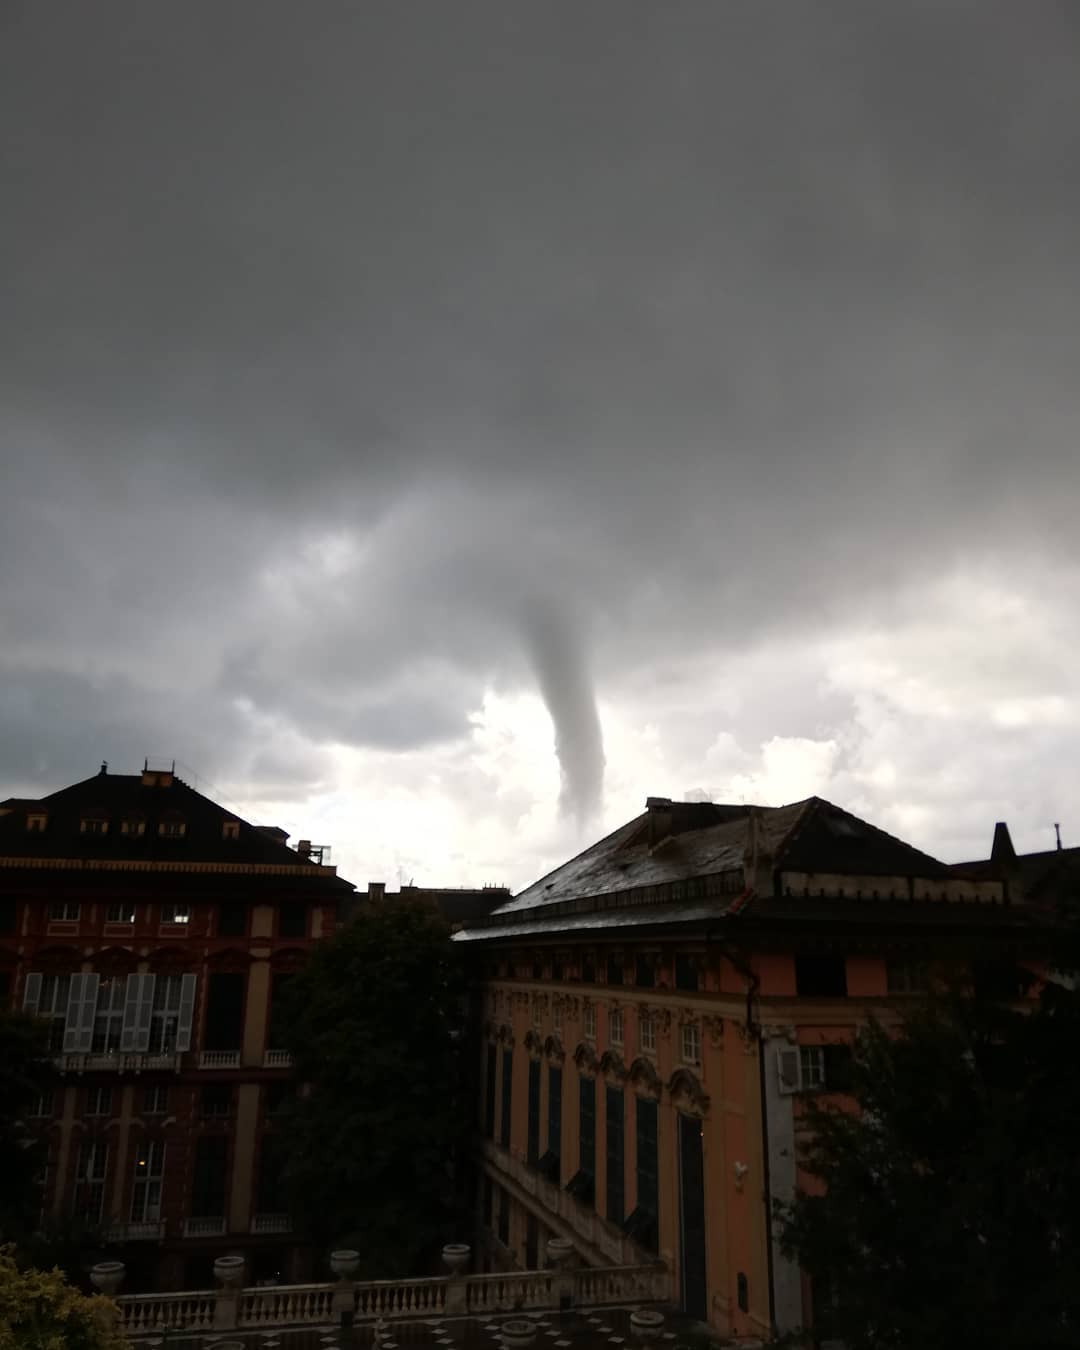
(32, 993)
(146, 1008)
(131, 1013)
(86, 1017)
(787, 1068)
(74, 1010)
(187, 1012)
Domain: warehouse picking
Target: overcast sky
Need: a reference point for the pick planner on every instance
(441, 425)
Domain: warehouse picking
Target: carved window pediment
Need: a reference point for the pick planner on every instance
(687, 1093)
(553, 1049)
(534, 1044)
(613, 1068)
(644, 1079)
(586, 1060)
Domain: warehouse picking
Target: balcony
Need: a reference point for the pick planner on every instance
(271, 1223)
(195, 1228)
(134, 1232)
(277, 1059)
(219, 1059)
(116, 1062)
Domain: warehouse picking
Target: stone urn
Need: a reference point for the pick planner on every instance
(229, 1270)
(107, 1276)
(345, 1263)
(518, 1333)
(560, 1252)
(456, 1256)
(646, 1324)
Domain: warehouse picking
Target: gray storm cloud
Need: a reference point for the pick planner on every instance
(327, 330)
(558, 657)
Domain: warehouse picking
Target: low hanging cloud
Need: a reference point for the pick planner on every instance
(362, 378)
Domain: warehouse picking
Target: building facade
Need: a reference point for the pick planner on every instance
(656, 1011)
(155, 931)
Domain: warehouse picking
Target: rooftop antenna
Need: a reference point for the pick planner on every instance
(1057, 831)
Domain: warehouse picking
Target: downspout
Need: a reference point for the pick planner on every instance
(752, 1028)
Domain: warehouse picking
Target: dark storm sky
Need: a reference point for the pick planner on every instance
(375, 376)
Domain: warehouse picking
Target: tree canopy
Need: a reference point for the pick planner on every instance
(374, 1023)
(25, 1073)
(38, 1311)
(946, 1212)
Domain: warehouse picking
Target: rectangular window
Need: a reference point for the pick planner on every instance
(270, 1195)
(532, 1152)
(647, 1034)
(588, 969)
(172, 829)
(98, 1101)
(615, 1156)
(557, 967)
(645, 971)
(615, 1027)
(90, 1181)
(146, 1190)
(507, 1097)
(504, 1218)
(906, 977)
(554, 1124)
(165, 1015)
(64, 911)
(691, 1043)
(53, 1005)
(838, 1060)
(216, 1100)
(225, 1011)
(7, 915)
(587, 1133)
(590, 1022)
(556, 1015)
(686, 973)
(122, 911)
(615, 970)
(42, 1107)
(292, 919)
(232, 919)
(821, 976)
(490, 1069)
(109, 1014)
(648, 1168)
(279, 982)
(134, 825)
(156, 1100)
(97, 827)
(811, 1067)
(208, 1177)
(178, 911)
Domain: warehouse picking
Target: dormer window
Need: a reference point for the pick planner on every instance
(230, 829)
(172, 827)
(35, 822)
(133, 826)
(93, 825)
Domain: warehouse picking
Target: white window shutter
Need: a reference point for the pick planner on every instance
(146, 1008)
(89, 1008)
(131, 1013)
(74, 1011)
(187, 1012)
(32, 993)
(787, 1068)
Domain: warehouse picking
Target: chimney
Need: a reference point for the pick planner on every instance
(303, 847)
(1006, 866)
(660, 812)
(1002, 851)
(376, 891)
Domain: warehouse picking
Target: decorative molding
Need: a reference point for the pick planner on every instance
(553, 1049)
(687, 1093)
(714, 1025)
(586, 1060)
(613, 1068)
(644, 1079)
(533, 1044)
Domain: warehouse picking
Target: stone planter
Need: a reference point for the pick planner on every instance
(517, 1334)
(560, 1252)
(646, 1324)
(107, 1276)
(345, 1263)
(229, 1270)
(456, 1256)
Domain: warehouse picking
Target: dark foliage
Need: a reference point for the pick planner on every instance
(25, 1073)
(372, 1138)
(949, 1212)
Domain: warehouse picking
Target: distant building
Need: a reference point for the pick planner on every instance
(657, 1010)
(154, 930)
(458, 906)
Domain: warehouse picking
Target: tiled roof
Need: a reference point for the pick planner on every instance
(119, 797)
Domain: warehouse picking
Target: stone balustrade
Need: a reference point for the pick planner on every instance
(219, 1059)
(314, 1304)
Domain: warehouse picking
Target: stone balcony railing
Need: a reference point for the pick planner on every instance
(277, 1059)
(219, 1059)
(212, 1227)
(146, 1231)
(271, 1223)
(371, 1300)
(116, 1062)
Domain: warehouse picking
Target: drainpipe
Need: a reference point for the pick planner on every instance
(752, 1028)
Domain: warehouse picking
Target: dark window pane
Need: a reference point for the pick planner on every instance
(615, 1156)
(489, 1092)
(587, 1126)
(7, 915)
(686, 973)
(838, 1068)
(821, 976)
(532, 1152)
(208, 1180)
(614, 970)
(232, 919)
(278, 983)
(507, 1097)
(216, 1099)
(588, 970)
(644, 972)
(292, 920)
(224, 1012)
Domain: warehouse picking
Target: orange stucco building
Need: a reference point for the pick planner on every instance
(655, 1011)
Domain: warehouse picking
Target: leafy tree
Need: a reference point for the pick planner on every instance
(38, 1311)
(25, 1073)
(947, 1212)
(374, 1024)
